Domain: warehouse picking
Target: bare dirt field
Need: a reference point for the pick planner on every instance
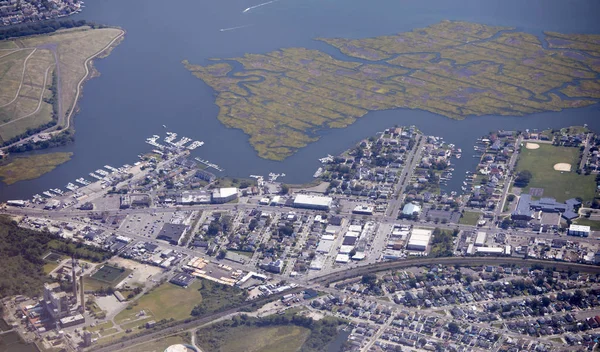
(562, 167)
(140, 272)
(532, 146)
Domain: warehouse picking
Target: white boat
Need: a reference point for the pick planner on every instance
(95, 176)
(195, 145)
(318, 173)
(48, 194)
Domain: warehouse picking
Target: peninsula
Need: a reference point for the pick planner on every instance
(42, 76)
(283, 99)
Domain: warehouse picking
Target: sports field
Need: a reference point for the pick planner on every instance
(561, 185)
(105, 277)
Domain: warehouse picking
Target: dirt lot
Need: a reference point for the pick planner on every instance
(140, 274)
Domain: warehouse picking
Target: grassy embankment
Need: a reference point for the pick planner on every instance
(169, 301)
(556, 184)
(31, 167)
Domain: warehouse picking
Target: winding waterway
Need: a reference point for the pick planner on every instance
(143, 84)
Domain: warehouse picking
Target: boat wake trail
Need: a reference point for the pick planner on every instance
(234, 28)
(259, 5)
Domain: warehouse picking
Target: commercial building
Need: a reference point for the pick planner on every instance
(16, 203)
(410, 209)
(172, 233)
(579, 230)
(480, 239)
(363, 210)
(312, 202)
(194, 197)
(274, 266)
(224, 195)
(419, 240)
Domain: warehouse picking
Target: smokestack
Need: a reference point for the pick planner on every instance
(73, 277)
(81, 292)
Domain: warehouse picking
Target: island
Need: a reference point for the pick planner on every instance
(42, 77)
(283, 99)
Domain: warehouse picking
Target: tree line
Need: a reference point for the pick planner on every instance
(21, 257)
(43, 27)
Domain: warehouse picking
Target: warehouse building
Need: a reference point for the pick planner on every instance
(480, 239)
(307, 201)
(490, 250)
(172, 233)
(419, 240)
(579, 230)
(182, 279)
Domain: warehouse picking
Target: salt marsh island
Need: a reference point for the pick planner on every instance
(284, 98)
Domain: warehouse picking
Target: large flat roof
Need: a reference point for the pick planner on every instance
(308, 199)
(581, 228)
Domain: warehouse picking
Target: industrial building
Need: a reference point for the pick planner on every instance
(56, 301)
(480, 239)
(312, 202)
(579, 230)
(419, 240)
(182, 279)
(490, 250)
(172, 233)
(324, 246)
(224, 195)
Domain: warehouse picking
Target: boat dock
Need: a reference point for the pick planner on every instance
(209, 164)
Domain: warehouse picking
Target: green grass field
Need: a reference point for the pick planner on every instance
(593, 224)
(469, 218)
(165, 302)
(556, 184)
(244, 338)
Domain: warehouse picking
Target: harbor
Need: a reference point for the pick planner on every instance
(108, 175)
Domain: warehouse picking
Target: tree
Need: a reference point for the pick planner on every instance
(523, 178)
(285, 189)
(453, 327)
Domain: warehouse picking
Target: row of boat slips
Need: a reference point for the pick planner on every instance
(105, 177)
